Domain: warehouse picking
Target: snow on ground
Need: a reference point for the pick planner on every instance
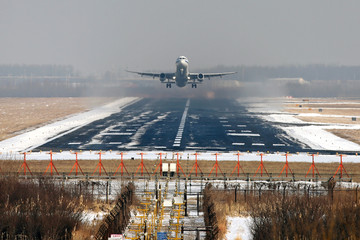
(91, 217)
(238, 228)
(317, 137)
(312, 134)
(41, 135)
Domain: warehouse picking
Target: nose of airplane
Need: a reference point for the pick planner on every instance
(183, 63)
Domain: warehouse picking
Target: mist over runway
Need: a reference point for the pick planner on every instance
(179, 124)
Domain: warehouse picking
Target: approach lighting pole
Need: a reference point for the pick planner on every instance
(24, 165)
(261, 166)
(178, 166)
(238, 166)
(216, 165)
(196, 165)
(159, 166)
(76, 164)
(142, 165)
(51, 165)
(341, 167)
(286, 166)
(122, 165)
(100, 165)
(313, 167)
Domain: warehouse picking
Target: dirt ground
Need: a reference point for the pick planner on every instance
(18, 114)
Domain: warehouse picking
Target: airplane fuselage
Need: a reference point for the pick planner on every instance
(182, 72)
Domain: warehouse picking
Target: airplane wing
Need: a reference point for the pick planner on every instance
(169, 76)
(209, 75)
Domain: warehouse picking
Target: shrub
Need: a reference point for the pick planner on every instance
(38, 210)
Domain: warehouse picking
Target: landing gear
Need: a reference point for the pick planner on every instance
(193, 85)
(168, 85)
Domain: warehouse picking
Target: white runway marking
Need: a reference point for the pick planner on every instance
(244, 134)
(230, 130)
(258, 144)
(179, 134)
(238, 144)
(278, 144)
(241, 125)
(116, 134)
(115, 143)
(74, 143)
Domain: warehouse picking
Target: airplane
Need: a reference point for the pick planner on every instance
(182, 76)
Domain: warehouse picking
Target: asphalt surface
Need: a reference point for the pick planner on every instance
(175, 124)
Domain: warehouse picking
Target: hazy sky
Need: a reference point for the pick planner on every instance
(96, 35)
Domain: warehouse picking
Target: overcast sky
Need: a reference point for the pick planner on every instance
(94, 35)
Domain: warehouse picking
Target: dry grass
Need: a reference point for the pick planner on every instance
(17, 114)
(349, 134)
(346, 112)
(336, 120)
(313, 106)
(292, 215)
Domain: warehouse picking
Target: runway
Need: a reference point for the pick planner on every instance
(176, 124)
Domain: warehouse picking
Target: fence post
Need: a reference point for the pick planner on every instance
(245, 195)
(185, 199)
(284, 193)
(198, 203)
(260, 193)
(107, 192)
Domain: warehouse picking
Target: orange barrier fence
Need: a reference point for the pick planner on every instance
(100, 169)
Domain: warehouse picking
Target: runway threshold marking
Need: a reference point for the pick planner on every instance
(177, 141)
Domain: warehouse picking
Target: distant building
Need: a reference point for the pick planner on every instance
(300, 81)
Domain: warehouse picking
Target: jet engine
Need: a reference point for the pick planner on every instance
(200, 77)
(162, 77)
